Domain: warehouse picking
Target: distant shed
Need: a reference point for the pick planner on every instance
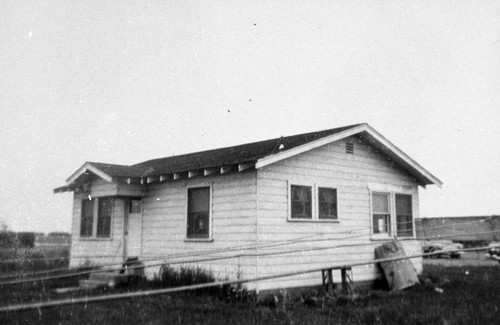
(460, 229)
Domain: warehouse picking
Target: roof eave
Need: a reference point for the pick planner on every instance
(83, 170)
(422, 175)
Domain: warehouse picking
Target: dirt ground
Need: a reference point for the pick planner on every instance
(467, 258)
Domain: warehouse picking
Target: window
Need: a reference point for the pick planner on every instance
(404, 217)
(96, 218)
(198, 221)
(87, 221)
(313, 203)
(135, 206)
(301, 202)
(327, 198)
(381, 213)
(104, 217)
(392, 212)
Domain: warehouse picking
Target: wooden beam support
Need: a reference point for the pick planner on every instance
(225, 169)
(132, 180)
(164, 177)
(242, 167)
(177, 176)
(210, 171)
(151, 179)
(192, 173)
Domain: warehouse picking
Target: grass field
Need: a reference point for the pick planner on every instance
(18, 260)
(458, 294)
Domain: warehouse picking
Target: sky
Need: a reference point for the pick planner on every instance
(127, 81)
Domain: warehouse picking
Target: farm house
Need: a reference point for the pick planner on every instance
(291, 203)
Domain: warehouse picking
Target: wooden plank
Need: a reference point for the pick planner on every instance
(210, 171)
(151, 179)
(242, 167)
(399, 274)
(165, 177)
(193, 173)
(225, 169)
(177, 176)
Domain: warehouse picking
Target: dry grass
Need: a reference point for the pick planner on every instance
(469, 296)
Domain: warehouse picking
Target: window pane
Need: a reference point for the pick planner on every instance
(301, 202)
(380, 203)
(135, 206)
(104, 217)
(404, 216)
(327, 198)
(381, 223)
(86, 224)
(199, 199)
(198, 223)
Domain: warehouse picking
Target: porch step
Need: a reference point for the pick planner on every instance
(105, 279)
(92, 284)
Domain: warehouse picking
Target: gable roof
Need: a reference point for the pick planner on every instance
(250, 155)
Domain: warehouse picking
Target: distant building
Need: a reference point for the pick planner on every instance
(460, 229)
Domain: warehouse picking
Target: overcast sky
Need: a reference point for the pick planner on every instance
(127, 81)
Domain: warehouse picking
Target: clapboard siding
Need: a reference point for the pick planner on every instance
(352, 175)
(92, 249)
(234, 221)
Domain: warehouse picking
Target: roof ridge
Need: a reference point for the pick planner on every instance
(279, 139)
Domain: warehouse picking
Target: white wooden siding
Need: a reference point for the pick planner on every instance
(233, 222)
(351, 175)
(91, 248)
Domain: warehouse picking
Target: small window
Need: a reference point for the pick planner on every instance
(381, 213)
(327, 200)
(198, 221)
(87, 221)
(135, 206)
(104, 217)
(404, 217)
(301, 202)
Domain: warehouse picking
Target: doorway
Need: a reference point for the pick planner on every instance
(132, 229)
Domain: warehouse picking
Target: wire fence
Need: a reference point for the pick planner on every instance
(128, 295)
(191, 259)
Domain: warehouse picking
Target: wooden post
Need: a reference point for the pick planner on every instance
(330, 286)
(345, 287)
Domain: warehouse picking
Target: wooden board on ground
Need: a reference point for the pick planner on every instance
(399, 274)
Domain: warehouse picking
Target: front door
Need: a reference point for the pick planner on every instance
(133, 228)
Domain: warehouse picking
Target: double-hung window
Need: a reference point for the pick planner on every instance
(313, 203)
(96, 216)
(404, 216)
(301, 202)
(327, 203)
(392, 208)
(381, 213)
(198, 218)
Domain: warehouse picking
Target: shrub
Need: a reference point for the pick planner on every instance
(170, 277)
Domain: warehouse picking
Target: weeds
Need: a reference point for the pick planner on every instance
(17, 260)
(470, 296)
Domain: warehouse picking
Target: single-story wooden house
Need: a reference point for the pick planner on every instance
(290, 203)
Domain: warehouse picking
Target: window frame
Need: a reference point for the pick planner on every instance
(95, 218)
(396, 216)
(389, 214)
(392, 191)
(209, 238)
(314, 202)
(311, 202)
